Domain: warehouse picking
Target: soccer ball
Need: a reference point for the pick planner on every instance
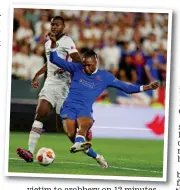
(45, 156)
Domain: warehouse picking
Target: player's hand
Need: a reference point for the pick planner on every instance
(52, 37)
(35, 82)
(152, 86)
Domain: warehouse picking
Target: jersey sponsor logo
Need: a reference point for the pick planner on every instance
(86, 83)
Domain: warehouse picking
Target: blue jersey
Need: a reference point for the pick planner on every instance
(86, 88)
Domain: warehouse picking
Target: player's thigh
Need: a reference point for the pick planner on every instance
(43, 108)
(70, 127)
(85, 122)
(47, 98)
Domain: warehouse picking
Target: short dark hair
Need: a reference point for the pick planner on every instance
(90, 53)
(58, 18)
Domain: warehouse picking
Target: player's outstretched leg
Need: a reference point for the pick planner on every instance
(43, 108)
(99, 158)
(70, 128)
(80, 143)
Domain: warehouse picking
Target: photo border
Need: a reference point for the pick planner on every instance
(167, 94)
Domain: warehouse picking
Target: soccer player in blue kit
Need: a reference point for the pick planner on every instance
(88, 82)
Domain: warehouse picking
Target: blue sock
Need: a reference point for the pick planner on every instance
(91, 153)
(79, 138)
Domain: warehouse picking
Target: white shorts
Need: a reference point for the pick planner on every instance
(54, 94)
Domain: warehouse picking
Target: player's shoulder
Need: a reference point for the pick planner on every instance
(65, 37)
(107, 76)
(66, 42)
(104, 72)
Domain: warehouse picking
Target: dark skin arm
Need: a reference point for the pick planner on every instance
(35, 82)
(151, 86)
(76, 57)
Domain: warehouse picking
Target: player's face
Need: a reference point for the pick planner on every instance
(57, 27)
(90, 64)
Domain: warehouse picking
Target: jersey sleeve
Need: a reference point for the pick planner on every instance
(70, 46)
(125, 87)
(66, 65)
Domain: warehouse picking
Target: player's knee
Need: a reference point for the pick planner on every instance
(85, 126)
(41, 115)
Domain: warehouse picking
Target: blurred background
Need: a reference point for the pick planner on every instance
(133, 46)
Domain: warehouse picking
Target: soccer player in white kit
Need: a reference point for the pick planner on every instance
(56, 86)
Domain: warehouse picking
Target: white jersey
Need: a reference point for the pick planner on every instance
(64, 46)
(56, 86)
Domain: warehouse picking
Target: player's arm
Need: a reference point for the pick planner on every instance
(127, 87)
(76, 57)
(35, 82)
(72, 50)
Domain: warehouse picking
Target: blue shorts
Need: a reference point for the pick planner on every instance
(74, 112)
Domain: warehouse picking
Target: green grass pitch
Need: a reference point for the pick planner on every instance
(138, 158)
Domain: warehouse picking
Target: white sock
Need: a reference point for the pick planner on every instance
(34, 135)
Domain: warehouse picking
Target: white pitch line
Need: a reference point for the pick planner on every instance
(125, 159)
(115, 167)
(121, 128)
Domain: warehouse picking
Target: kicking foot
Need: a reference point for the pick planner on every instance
(25, 154)
(101, 161)
(80, 146)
